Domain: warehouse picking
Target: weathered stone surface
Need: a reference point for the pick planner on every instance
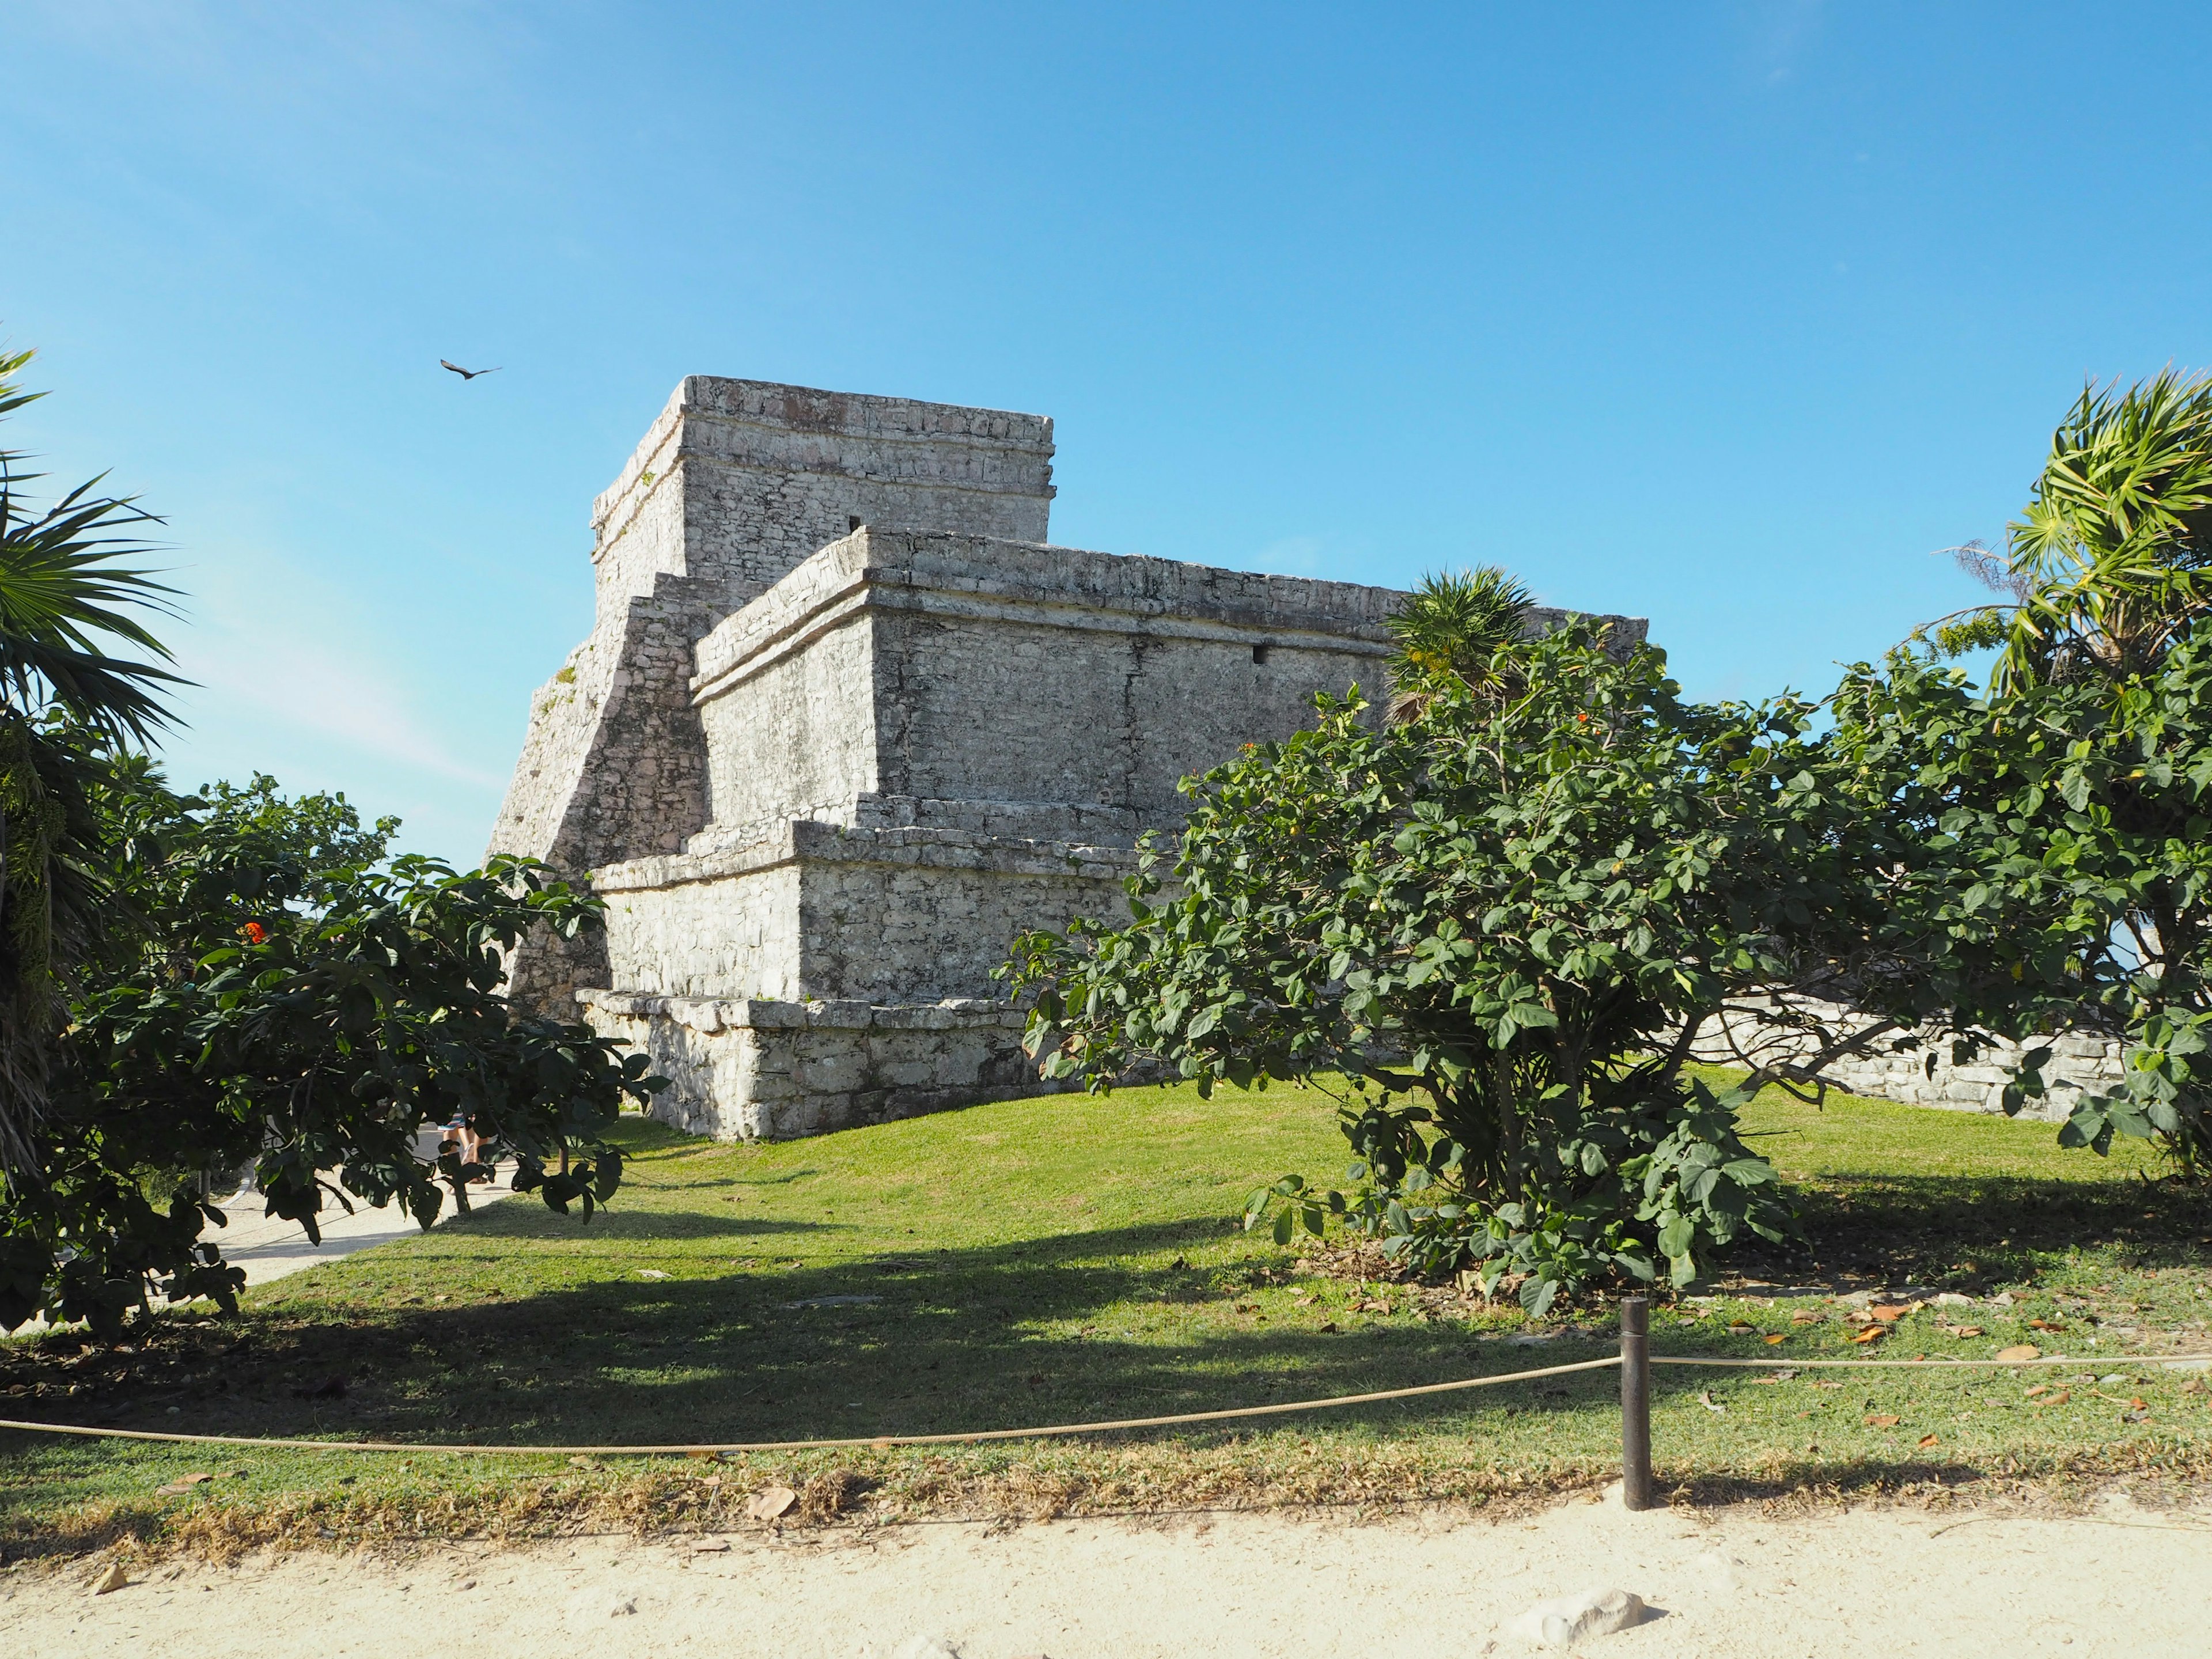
(735, 483)
(772, 1071)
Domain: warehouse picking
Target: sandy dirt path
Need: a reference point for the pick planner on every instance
(2121, 1582)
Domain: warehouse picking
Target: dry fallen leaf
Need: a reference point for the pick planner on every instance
(1889, 1313)
(2021, 1350)
(1778, 1336)
(709, 1546)
(113, 1579)
(2046, 1325)
(1706, 1399)
(1871, 1333)
(1739, 1327)
(2058, 1399)
(769, 1502)
(1880, 1420)
(182, 1483)
(1963, 1332)
(1927, 1440)
(1805, 1319)
(2040, 1387)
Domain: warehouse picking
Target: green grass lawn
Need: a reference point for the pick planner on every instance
(1074, 1258)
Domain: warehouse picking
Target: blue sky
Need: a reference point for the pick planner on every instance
(1727, 315)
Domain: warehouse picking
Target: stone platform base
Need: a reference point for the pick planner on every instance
(754, 1070)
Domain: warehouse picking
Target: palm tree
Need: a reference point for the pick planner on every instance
(2112, 562)
(1449, 629)
(64, 578)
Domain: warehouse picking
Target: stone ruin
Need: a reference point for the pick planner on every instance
(847, 723)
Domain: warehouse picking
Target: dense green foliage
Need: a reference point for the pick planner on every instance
(2058, 826)
(282, 997)
(2062, 855)
(1503, 918)
(1447, 634)
(67, 592)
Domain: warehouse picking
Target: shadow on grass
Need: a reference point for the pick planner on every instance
(931, 1341)
(1966, 1231)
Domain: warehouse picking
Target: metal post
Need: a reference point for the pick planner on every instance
(1636, 1491)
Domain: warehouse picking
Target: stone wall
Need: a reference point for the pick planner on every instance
(813, 910)
(735, 483)
(1916, 1068)
(759, 1070)
(896, 675)
(738, 481)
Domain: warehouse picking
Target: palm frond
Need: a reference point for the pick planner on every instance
(68, 590)
(2114, 549)
(1449, 629)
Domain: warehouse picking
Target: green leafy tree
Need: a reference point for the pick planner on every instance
(1502, 921)
(2058, 823)
(190, 983)
(2057, 844)
(284, 999)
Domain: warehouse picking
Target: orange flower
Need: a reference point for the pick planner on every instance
(254, 931)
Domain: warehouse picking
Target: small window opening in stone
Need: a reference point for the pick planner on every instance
(851, 522)
(1259, 653)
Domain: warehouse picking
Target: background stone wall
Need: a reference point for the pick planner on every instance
(1917, 1069)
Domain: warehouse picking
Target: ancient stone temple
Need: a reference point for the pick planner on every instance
(847, 723)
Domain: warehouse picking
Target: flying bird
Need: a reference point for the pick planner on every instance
(467, 374)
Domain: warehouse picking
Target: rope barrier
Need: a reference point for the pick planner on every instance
(1057, 1430)
(1931, 1364)
(705, 1450)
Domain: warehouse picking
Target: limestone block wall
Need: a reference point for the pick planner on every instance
(775, 1071)
(735, 483)
(945, 678)
(2079, 1064)
(816, 911)
(614, 764)
(738, 481)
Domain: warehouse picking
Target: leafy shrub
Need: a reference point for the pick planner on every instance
(1501, 919)
(270, 992)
